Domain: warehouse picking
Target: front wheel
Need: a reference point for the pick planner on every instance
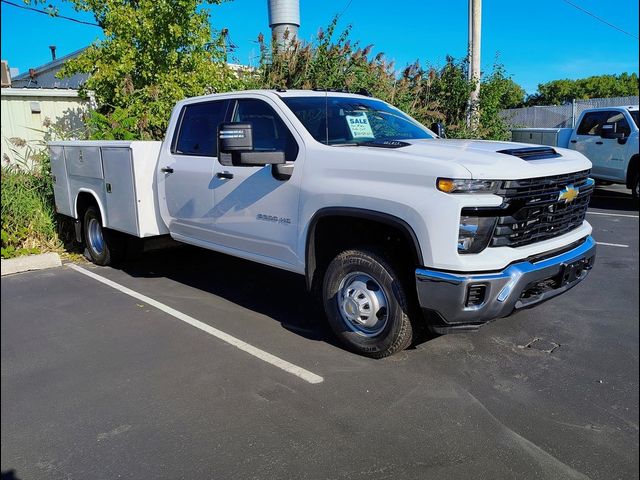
(366, 304)
(635, 187)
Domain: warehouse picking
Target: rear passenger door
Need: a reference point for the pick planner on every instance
(256, 208)
(185, 178)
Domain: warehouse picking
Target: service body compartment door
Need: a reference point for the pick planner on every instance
(549, 138)
(120, 191)
(84, 169)
(84, 161)
(60, 181)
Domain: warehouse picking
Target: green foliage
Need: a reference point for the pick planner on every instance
(155, 52)
(328, 62)
(29, 222)
(27, 211)
(558, 92)
(116, 126)
(499, 89)
(497, 92)
(333, 61)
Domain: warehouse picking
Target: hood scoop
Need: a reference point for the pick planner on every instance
(531, 153)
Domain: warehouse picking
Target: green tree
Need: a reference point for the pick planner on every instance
(558, 92)
(155, 52)
(497, 92)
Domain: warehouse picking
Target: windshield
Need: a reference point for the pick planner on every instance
(634, 115)
(354, 121)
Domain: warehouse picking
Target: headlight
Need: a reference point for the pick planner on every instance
(474, 233)
(451, 185)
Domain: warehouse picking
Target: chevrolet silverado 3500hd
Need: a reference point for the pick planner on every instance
(389, 224)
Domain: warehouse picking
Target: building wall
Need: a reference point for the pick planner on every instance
(20, 119)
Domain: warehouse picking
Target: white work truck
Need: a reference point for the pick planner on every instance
(607, 136)
(391, 226)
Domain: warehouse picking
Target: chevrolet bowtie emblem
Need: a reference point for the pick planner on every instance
(568, 194)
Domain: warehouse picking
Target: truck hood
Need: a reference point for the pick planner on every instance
(482, 160)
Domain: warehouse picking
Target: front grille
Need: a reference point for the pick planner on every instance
(535, 212)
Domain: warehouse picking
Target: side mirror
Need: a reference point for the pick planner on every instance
(608, 130)
(235, 147)
(438, 129)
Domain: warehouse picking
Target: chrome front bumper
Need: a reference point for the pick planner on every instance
(520, 285)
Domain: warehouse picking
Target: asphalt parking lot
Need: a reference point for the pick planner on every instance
(99, 384)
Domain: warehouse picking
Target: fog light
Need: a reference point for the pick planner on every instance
(475, 295)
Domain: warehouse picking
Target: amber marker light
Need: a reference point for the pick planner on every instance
(446, 185)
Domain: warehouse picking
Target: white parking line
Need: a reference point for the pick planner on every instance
(612, 214)
(300, 372)
(613, 244)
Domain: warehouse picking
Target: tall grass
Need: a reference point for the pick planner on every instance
(28, 209)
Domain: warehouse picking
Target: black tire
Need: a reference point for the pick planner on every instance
(351, 270)
(635, 184)
(102, 246)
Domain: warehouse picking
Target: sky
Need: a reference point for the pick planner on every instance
(536, 41)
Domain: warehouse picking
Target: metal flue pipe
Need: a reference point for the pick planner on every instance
(284, 20)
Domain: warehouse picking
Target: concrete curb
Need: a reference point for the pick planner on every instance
(30, 262)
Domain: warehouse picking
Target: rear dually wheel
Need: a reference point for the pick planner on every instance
(103, 246)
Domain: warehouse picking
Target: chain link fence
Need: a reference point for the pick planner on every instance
(559, 116)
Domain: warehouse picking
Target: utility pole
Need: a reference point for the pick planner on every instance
(475, 32)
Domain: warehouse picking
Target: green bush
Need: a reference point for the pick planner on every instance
(28, 212)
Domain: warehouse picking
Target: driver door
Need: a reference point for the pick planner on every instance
(588, 142)
(614, 165)
(256, 208)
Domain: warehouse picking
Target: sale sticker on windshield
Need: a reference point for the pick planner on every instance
(360, 126)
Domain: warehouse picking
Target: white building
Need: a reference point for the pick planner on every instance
(24, 111)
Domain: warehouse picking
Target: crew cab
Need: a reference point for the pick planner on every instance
(390, 225)
(607, 136)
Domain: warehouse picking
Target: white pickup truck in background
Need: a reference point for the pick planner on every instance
(390, 225)
(607, 136)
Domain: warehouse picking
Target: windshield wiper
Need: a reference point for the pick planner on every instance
(374, 143)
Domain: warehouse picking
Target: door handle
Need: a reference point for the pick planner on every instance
(166, 169)
(599, 143)
(574, 141)
(227, 175)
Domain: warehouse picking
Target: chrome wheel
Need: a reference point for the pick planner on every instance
(95, 238)
(362, 304)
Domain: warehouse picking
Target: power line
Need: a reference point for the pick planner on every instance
(344, 9)
(598, 18)
(48, 14)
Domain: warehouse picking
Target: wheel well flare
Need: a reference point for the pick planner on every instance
(332, 231)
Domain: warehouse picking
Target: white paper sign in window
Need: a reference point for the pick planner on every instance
(359, 126)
